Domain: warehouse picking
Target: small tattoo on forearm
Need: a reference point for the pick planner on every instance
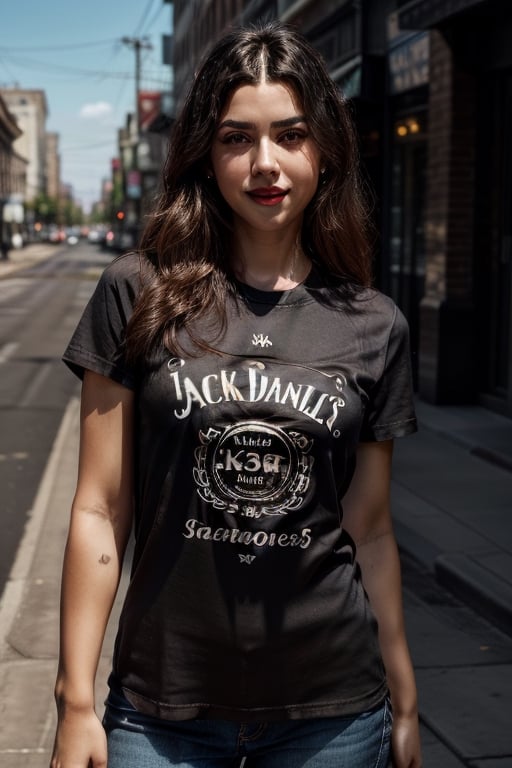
(104, 559)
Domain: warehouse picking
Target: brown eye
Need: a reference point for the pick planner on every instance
(234, 138)
(293, 136)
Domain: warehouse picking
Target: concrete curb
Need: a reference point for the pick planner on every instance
(462, 575)
(26, 257)
(474, 584)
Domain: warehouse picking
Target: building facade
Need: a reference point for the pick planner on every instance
(465, 314)
(197, 23)
(12, 179)
(12, 165)
(30, 111)
(52, 165)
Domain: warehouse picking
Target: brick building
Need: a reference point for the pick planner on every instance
(52, 165)
(12, 166)
(196, 24)
(30, 109)
(465, 315)
(13, 171)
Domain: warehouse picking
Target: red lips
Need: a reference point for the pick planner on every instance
(268, 195)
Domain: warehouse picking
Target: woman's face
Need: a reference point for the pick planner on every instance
(264, 159)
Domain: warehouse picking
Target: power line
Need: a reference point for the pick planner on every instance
(7, 68)
(155, 17)
(144, 16)
(87, 146)
(97, 44)
(31, 63)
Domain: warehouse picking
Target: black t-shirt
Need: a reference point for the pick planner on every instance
(245, 600)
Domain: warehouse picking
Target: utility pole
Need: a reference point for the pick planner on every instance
(133, 179)
(138, 44)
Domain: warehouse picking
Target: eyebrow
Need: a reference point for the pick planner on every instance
(244, 126)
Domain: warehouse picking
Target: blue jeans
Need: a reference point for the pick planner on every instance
(139, 741)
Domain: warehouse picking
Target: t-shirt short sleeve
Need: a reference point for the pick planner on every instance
(98, 341)
(390, 410)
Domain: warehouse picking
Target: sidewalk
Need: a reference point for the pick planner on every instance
(452, 497)
(29, 614)
(25, 257)
(452, 504)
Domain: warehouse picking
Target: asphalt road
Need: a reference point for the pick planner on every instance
(39, 307)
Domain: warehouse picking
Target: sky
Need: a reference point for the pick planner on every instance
(73, 51)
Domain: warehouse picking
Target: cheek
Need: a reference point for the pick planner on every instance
(309, 176)
(313, 161)
(312, 158)
(230, 169)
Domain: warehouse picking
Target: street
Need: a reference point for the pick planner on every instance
(39, 307)
(463, 661)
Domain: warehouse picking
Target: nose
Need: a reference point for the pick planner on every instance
(265, 159)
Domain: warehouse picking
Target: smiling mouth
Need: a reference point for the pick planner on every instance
(268, 197)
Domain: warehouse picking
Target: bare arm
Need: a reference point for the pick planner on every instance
(100, 525)
(367, 517)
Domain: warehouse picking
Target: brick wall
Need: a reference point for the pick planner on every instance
(446, 324)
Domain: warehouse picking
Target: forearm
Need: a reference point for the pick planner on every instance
(380, 566)
(368, 520)
(92, 567)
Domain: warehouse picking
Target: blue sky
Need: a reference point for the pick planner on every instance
(72, 50)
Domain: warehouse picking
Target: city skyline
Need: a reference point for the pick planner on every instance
(76, 55)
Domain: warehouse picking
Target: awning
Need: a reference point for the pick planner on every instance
(348, 77)
(423, 14)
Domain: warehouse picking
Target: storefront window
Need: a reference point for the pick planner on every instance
(501, 271)
(407, 216)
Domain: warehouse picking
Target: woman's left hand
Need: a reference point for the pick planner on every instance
(405, 742)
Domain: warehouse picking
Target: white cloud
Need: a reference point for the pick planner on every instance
(96, 110)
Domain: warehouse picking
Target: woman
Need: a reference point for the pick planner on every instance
(242, 386)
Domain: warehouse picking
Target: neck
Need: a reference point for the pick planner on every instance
(274, 263)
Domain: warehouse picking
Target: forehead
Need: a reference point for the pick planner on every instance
(263, 101)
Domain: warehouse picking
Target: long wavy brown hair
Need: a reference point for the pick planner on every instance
(186, 243)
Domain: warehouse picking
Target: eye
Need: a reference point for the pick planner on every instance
(293, 136)
(234, 138)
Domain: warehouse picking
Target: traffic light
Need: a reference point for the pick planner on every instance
(120, 215)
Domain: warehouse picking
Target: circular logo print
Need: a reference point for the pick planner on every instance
(253, 462)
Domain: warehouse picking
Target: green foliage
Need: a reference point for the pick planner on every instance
(51, 210)
(45, 208)
(71, 214)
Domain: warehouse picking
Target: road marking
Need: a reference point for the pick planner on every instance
(12, 596)
(35, 385)
(19, 456)
(49, 725)
(8, 350)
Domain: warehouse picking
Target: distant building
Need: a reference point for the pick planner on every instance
(52, 165)
(66, 192)
(12, 179)
(30, 109)
(12, 165)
